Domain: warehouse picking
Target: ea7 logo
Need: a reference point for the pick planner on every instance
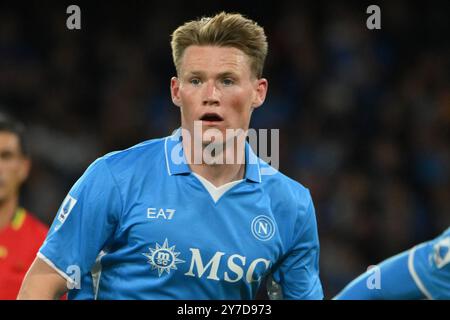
(154, 213)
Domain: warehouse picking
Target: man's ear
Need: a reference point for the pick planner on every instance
(261, 91)
(175, 91)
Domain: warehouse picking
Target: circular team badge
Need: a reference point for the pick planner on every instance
(263, 228)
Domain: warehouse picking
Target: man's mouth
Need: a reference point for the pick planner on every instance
(211, 117)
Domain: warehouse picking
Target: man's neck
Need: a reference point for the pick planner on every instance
(7, 210)
(223, 173)
(219, 174)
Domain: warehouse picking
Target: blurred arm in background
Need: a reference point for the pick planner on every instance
(419, 273)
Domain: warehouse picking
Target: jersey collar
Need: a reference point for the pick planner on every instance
(176, 162)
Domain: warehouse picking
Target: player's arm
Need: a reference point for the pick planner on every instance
(85, 221)
(42, 282)
(298, 274)
(390, 280)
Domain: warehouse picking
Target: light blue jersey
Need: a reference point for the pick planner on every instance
(429, 265)
(139, 225)
(419, 273)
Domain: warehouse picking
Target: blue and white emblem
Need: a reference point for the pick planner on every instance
(66, 207)
(263, 228)
(163, 258)
(442, 252)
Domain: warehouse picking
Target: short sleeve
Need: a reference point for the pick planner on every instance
(84, 223)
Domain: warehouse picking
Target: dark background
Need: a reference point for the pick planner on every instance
(363, 114)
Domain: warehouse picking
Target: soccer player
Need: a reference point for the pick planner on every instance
(151, 222)
(21, 234)
(420, 273)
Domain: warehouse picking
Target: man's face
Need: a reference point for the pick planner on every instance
(216, 86)
(14, 167)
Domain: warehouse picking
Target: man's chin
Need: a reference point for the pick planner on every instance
(213, 143)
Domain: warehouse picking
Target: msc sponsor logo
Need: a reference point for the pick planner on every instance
(163, 258)
(263, 228)
(237, 267)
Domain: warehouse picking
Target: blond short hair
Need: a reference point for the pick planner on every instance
(224, 30)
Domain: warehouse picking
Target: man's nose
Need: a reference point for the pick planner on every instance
(211, 94)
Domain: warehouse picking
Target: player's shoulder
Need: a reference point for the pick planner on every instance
(429, 265)
(291, 205)
(142, 155)
(440, 248)
(284, 187)
(435, 253)
(152, 147)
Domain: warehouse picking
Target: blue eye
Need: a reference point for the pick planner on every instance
(195, 81)
(228, 82)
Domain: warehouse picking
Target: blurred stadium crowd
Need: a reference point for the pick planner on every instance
(364, 116)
